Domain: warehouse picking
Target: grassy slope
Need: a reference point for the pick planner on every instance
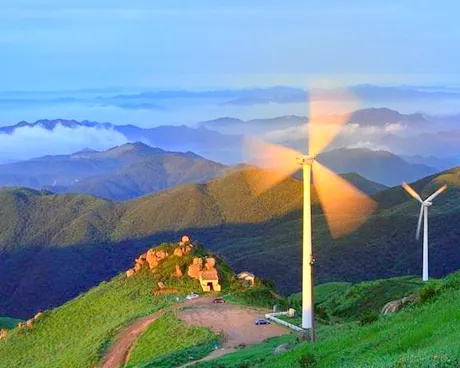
(75, 334)
(423, 335)
(171, 337)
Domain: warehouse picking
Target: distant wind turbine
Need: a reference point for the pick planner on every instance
(344, 206)
(423, 216)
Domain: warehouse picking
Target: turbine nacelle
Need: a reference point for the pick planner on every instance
(305, 160)
(427, 204)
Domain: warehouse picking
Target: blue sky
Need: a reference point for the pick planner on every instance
(47, 45)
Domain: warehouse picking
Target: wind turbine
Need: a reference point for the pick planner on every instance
(344, 206)
(424, 204)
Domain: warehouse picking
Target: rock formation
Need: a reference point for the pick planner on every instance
(397, 305)
(178, 271)
(202, 269)
(195, 268)
(152, 258)
(3, 334)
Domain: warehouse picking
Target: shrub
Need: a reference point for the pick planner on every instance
(368, 317)
(428, 293)
(307, 361)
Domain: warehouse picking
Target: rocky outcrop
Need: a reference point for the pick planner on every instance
(282, 348)
(3, 334)
(202, 269)
(194, 270)
(152, 258)
(178, 271)
(397, 305)
(29, 323)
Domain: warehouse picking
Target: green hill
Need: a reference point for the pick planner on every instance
(78, 332)
(424, 334)
(53, 247)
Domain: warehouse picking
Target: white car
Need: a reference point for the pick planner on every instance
(192, 296)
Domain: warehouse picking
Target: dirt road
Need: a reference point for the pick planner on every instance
(234, 322)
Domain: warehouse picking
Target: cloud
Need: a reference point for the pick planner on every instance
(29, 142)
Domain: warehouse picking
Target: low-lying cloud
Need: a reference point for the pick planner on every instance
(30, 142)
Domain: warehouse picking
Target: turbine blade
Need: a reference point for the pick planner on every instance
(412, 192)
(345, 207)
(438, 192)
(419, 224)
(328, 114)
(281, 161)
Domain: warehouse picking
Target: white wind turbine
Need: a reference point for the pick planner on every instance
(424, 204)
(344, 206)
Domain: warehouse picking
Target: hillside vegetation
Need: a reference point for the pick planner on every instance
(80, 240)
(424, 334)
(77, 333)
(169, 342)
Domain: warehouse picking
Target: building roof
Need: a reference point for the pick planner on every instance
(245, 274)
(209, 275)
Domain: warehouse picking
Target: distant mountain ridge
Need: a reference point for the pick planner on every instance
(379, 166)
(369, 117)
(120, 173)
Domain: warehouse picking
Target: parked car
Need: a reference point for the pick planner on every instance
(262, 322)
(219, 300)
(192, 296)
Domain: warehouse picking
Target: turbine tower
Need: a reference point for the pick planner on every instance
(344, 206)
(424, 205)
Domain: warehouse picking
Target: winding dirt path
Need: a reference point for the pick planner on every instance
(234, 322)
(118, 353)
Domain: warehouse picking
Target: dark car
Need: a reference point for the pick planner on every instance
(262, 322)
(219, 300)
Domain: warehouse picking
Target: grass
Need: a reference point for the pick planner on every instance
(169, 342)
(425, 334)
(250, 356)
(76, 334)
(8, 323)
(259, 296)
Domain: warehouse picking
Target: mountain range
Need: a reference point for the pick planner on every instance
(120, 173)
(64, 244)
(135, 169)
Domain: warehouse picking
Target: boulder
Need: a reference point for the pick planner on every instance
(137, 267)
(397, 305)
(161, 285)
(178, 252)
(210, 263)
(282, 348)
(151, 259)
(130, 272)
(178, 271)
(161, 254)
(194, 270)
(29, 323)
(185, 239)
(38, 315)
(3, 333)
